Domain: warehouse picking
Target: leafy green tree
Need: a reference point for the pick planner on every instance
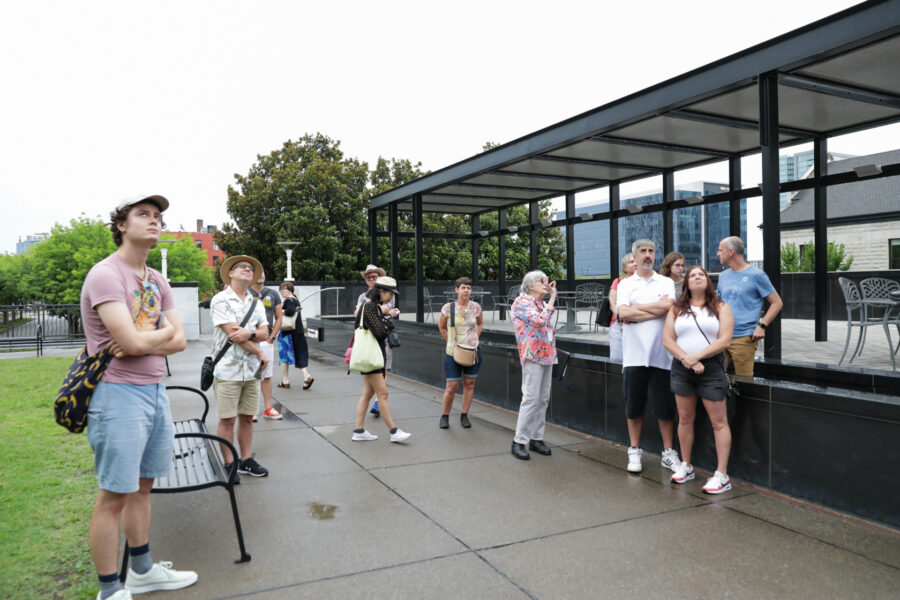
(58, 265)
(185, 262)
(792, 260)
(12, 273)
(306, 191)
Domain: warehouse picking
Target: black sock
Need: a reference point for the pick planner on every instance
(140, 559)
(446, 415)
(358, 430)
(394, 430)
(463, 414)
(109, 584)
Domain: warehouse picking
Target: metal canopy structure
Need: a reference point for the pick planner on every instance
(835, 76)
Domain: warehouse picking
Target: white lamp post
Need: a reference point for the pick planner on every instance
(164, 252)
(289, 249)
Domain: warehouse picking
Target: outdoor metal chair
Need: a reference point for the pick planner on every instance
(588, 298)
(881, 308)
(506, 304)
(857, 316)
(427, 304)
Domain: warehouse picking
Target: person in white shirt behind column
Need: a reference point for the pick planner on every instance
(642, 303)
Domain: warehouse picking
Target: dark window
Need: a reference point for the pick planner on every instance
(199, 244)
(894, 253)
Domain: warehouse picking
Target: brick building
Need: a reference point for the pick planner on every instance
(203, 239)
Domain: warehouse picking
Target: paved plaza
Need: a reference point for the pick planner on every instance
(452, 514)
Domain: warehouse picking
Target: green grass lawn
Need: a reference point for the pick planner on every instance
(47, 488)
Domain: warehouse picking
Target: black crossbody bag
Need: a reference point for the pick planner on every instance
(208, 368)
(732, 391)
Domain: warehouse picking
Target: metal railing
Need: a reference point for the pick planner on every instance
(36, 325)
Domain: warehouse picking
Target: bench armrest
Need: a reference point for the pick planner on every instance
(199, 393)
(221, 440)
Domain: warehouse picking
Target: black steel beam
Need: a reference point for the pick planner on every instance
(840, 90)
(545, 176)
(501, 257)
(570, 241)
(373, 235)
(820, 215)
(614, 258)
(514, 188)
(478, 196)
(659, 146)
(668, 198)
(420, 259)
(771, 204)
(533, 216)
(394, 229)
(598, 163)
(476, 246)
(691, 115)
(734, 205)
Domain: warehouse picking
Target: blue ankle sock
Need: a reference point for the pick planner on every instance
(109, 585)
(140, 559)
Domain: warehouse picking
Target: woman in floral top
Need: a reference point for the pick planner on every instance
(466, 330)
(536, 340)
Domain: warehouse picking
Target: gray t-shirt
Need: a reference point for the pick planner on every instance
(269, 299)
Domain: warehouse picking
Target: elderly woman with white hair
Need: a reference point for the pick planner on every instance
(536, 341)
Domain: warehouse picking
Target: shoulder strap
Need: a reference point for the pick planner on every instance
(691, 310)
(228, 343)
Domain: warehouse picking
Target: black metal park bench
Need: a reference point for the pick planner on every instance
(198, 465)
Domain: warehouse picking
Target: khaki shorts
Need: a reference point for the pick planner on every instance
(236, 397)
(742, 351)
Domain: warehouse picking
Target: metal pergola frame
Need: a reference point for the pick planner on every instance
(835, 76)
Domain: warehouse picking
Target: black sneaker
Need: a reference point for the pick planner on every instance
(445, 422)
(464, 421)
(375, 412)
(253, 468)
(237, 478)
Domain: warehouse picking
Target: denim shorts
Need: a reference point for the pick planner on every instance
(454, 371)
(131, 433)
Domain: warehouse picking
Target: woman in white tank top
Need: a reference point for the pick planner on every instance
(698, 328)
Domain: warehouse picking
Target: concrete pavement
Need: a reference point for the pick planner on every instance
(451, 514)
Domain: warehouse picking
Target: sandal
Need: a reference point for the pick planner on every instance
(308, 383)
(284, 385)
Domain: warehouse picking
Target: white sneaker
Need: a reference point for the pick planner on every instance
(400, 436)
(365, 436)
(634, 460)
(120, 595)
(717, 484)
(683, 473)
(160, 577)
(670, 459)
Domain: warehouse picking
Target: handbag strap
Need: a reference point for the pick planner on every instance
(229, 342)
(719, 355)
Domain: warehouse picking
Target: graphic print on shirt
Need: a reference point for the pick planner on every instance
(145, 303)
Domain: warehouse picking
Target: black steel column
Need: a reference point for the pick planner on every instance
(771, 203)
(668, 197)
(420, 262)
(501, 257)
(394, 228)
(734, 205)
(476, 245)
(570, 241)
(615, 261)
(820, 212)
(373, 240)
(533, 216)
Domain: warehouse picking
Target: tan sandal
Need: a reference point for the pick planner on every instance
(284, 385)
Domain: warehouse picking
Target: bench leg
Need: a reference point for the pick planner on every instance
(124, 570)
(237, 525)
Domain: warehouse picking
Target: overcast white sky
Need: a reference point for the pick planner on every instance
(104, 100)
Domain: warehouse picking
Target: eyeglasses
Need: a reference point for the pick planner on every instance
(371, 277)
(242, 266)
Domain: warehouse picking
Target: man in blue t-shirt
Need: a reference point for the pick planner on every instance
(744, 287)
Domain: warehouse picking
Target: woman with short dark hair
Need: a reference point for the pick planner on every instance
(466, 329)
(698, 329)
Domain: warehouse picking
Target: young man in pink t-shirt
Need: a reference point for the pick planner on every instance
(128, 307)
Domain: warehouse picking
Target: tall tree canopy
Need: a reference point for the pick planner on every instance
(306, 191)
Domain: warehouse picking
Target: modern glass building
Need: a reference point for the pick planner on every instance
(799, 166)
(697, 230)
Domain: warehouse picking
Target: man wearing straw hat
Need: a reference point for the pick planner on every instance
(371, 275)
(236, 383)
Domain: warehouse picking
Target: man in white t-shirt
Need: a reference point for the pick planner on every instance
(641, 304)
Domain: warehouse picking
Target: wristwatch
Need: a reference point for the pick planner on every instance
(252, 335)
(761, 324)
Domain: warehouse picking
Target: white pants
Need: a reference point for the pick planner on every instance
(615, 342)
(269, 350)
(536, 381)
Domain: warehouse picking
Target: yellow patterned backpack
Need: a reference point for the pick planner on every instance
(71, 406)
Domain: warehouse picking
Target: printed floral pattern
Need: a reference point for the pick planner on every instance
(534, 330)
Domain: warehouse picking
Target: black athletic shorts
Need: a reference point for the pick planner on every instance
(644, 382)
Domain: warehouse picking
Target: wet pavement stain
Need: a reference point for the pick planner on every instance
(322, 512)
